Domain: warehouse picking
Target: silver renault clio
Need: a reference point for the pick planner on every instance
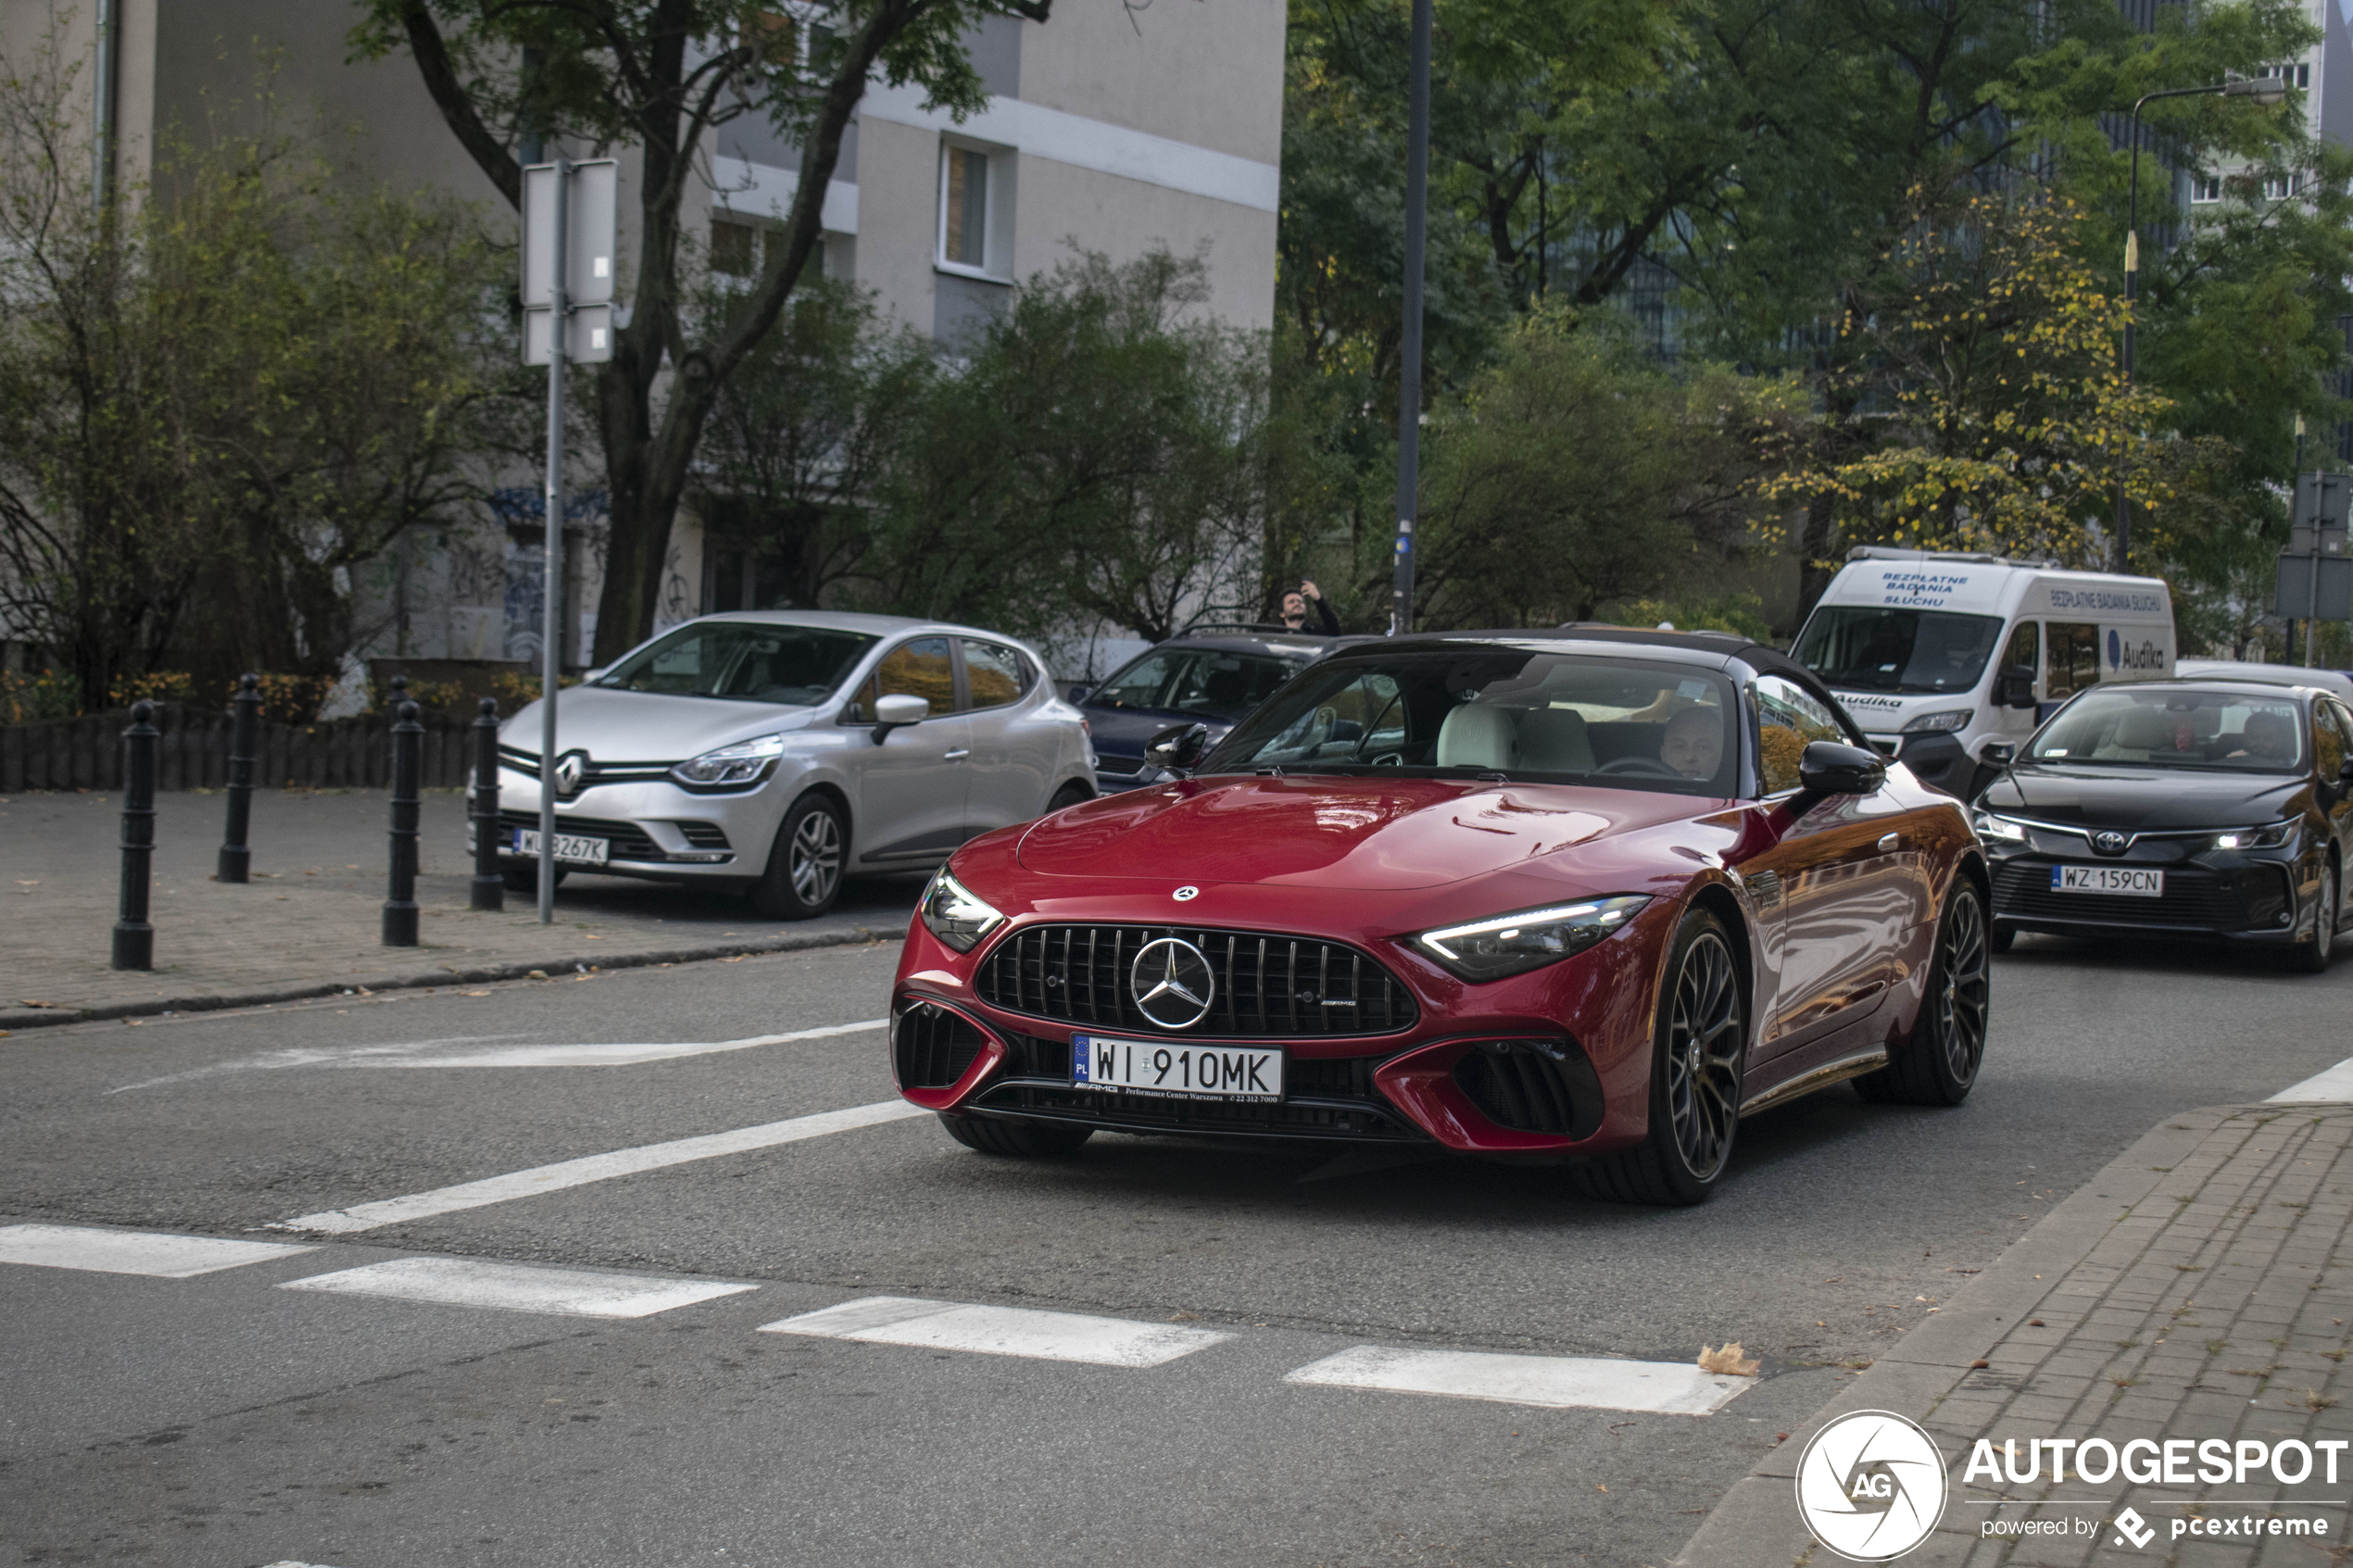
(778, 750)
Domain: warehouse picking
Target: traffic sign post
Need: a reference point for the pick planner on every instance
(569, 220)
(2315, 574)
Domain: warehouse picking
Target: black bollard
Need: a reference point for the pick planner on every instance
(134, 940)
(400, 907)
(236, 857)
(489, 887)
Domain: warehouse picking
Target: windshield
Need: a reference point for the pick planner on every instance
(1208, 682)
(792, 666)
(1481, 711)
(1864, 648)
(2176, 728)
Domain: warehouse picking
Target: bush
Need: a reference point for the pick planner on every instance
(292, 699)
(157, 686)
(514, 689)
(52, 694)
(424, 693)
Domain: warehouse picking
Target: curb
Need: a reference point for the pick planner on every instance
(37, 1018)
(1757, 1523)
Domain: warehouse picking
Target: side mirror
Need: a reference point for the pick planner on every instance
(590, 677)
(2345, 771)
(1997, 753)
(897, 711)
(2014, 688)
(1178, 748)
(1827, 768)
(1078, 694)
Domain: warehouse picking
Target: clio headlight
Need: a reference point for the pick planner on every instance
(1490, 949)
(955, 914)
(745, 763)
(1992, 829)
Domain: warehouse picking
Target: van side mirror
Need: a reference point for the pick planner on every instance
(1178, 748)
(2014, 688)
(1827, 768)
(897, 711)
(1997, 753)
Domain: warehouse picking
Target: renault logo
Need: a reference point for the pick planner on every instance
(570, 768)
(2107, 840)
(1172, 983)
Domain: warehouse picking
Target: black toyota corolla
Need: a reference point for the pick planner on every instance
(2218, 811)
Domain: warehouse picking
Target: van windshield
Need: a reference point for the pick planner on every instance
(1866, 648)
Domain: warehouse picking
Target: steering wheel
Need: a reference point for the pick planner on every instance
(1648, 767)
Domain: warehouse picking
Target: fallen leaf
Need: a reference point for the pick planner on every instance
(1727, 1361)
(1599, 1487)
(2034, 1323)
(477, 993)
(537, 974)
(1979, 1364)
(1184, 1317)
(1780, 1437)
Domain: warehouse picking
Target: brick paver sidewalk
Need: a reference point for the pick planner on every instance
(309, 921)
(2196, 1290)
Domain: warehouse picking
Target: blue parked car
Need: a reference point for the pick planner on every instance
(1210, 675)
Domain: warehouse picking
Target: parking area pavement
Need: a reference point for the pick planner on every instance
(309, 921)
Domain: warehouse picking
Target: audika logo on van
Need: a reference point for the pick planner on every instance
(1872, 1485)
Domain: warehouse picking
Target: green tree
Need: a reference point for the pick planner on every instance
(659, 75)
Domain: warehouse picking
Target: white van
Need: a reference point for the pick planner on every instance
(1908, 640)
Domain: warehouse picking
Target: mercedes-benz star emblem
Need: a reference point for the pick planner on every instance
(1172, 983)
(570, 768)
(1185, 894)
(2107, 840)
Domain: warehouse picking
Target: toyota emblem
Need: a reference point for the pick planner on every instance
(1173, 983)
(2107, 840)
(570, 769)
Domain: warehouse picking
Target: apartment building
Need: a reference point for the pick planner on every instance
(1117, 126)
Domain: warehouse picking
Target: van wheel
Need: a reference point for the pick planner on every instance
(804, 867)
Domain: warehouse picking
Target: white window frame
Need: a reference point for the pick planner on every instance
(2205, 188)
(996, 224)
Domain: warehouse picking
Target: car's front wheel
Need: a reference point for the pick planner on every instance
(1695, 1078)
(1938, 1065)
(1024, 1140)
(2312, 958)
(1071, 794)
(804, 868)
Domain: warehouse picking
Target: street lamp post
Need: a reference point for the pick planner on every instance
(1409, 370)
(2266, 91)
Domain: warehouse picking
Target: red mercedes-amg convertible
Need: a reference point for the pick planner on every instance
(1592, 895)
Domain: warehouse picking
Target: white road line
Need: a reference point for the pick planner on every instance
(405, 1054)
(1561, 1382)
(2336, 1084)
(132, 1252)
(465, 1282)
(596, 1168)
(1000, 1331)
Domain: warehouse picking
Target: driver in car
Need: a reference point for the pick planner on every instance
(1693, 743)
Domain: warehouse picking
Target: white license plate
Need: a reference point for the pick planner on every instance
(576, 847)
(1181, 1069)
(2107, 879)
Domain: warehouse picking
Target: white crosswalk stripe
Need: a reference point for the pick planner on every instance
(1560, 1382)
(132, 1252)
(1001, 1331)
(2335, 1085)
(466, 1281)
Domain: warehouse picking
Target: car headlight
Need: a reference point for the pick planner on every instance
(955, 914)
(745, 763)
(1999, 830)
(2268, 838)
(1943, 723)
(1490, 949)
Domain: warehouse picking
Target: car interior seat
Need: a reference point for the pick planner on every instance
(1553, 740)
(2141, 729)
(1475, 735)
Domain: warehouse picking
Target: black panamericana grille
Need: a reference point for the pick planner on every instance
(2250, 898)
(1267, 985)
(1532, 1087)
(1333, 1098)
(931, 1046)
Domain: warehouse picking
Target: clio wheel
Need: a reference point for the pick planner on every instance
(804, 869)
(1939, 1065)
(1695, 1078)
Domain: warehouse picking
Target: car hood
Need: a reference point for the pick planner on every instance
(618, 726)
(2146, 800)
(1344, 834)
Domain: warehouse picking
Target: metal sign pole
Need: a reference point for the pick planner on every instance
(551, 575)
(1409, 376)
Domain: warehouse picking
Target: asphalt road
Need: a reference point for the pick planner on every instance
(219, 1419)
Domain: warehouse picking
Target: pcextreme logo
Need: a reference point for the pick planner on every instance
(1871, 1486)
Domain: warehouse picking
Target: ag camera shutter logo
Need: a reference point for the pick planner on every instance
(1871, 1486)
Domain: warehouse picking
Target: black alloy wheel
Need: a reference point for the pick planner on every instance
(1939, 1065)
(2312, 958)
(1695, 1078)
(804, 869)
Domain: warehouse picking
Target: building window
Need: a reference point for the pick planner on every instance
(2206, 187)
(735, 248)
(963, 208)
(2279, 187)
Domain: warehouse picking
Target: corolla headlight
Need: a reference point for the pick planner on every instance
(2268, 838)
(955, 914)
(1490, 949)
(1999, 830)
(1943, 723)
(745, 763)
